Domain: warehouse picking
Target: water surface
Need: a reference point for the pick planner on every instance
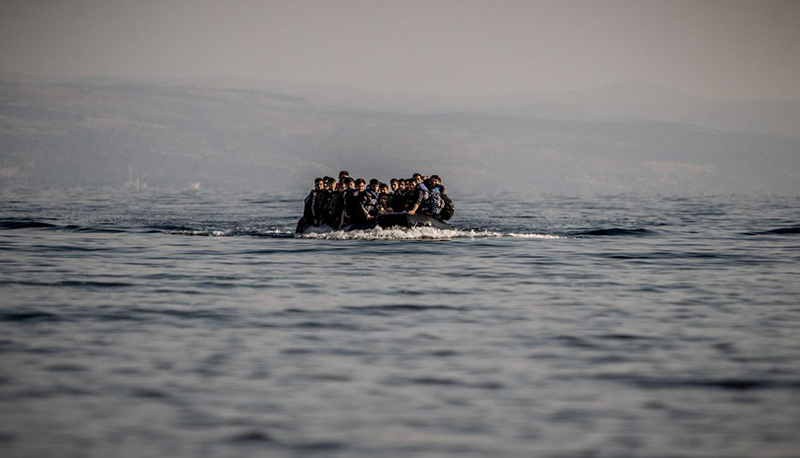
(194, 323)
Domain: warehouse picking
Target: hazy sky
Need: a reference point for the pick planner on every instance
(721, 49)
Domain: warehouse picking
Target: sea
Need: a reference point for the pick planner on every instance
(195, 323)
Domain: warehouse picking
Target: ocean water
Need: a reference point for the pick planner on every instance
(195, 324)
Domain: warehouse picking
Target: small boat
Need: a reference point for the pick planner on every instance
(401, 219)
(385, 221)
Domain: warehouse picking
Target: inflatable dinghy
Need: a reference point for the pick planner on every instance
(388, 220)
(402, 219)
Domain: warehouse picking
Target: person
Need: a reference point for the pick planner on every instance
(357, 203)
(342, 218)
(397, 197)
(407, 195)
(420, 198)
(372, 192)
(437, 183)
(311, 208)
(434, 185)
(329, 201)
(370, 195)
(330, 183)
(382, 207)
(445, 208)
(375, 187)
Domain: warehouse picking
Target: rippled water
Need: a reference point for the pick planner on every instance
(183, 324)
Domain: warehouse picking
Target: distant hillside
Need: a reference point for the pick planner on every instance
(112, 133)
(637, 100)
(623, 101)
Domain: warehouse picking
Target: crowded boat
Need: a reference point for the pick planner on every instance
(350, 204)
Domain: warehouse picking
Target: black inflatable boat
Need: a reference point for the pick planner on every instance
(400, 220)
(388, 220)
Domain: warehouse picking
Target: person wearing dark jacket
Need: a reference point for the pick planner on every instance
(312, 215)
(419, 200)
(398, 195)
(327, 202)
(342, 219)
(383, 206)
(358, 203)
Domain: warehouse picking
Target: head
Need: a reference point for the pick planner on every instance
(361, 184)
(374, 184)
(383, 199)
(349, 183)
(319, 184)
(343, 173)
(394, 185)
(436, 180)
(384, 188)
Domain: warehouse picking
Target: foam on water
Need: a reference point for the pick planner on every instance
(533, 236)
(416, 233)
(274, 233)
(201, 233)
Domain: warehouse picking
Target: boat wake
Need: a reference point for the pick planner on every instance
(324, 233)
(394, 233)
(416, 233)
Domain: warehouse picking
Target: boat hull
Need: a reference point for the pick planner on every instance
(400, 220)
(388, 220)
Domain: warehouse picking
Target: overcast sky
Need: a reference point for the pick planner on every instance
(720, 49)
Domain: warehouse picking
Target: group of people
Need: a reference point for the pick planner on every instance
(347, 201)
